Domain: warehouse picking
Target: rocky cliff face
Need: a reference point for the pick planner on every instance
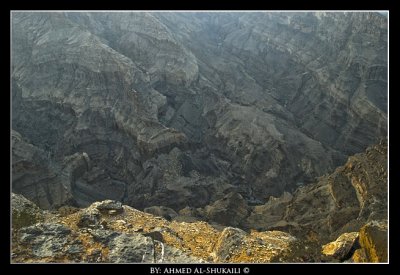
(343, 201)
(109, 232)
(181, 109)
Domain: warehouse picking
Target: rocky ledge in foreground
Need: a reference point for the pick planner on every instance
(110, 232)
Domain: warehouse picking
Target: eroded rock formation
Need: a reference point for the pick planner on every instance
(131, 236)
(341, 202)
(236, 119)
(194, 104)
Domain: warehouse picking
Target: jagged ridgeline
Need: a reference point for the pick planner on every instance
(211, 119)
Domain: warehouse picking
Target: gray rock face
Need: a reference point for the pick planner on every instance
(173, 255)
(131, 249)
(103, 236)
(89, 218)
(136, 248)
(230, 239)
(280, 69)
(57, 243)
(179, 109)
(270, 214)
(234, 243)
(24, 212)
(374, 241)
(173, 180)
(348, 198)
(230, 210)
(37, 176)
(341, 202)
(47, 240)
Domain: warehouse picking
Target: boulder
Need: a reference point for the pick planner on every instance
(374, 242)
(109, 206)
(342, 247)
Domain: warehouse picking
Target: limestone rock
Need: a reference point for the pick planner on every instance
(359, 256)
(373, 240)
(268, 215)
(155, 234)
(76, 165)
(103, 236)
(47, 240)
(109, 205)
(176, 175)
(342, 247)
(89, 218)
(229, 239)
(230, 210)
(133, 248)
(218, 112)
(24, 212)
(36, 176)
(173, 255)
(285, 41)
(141, 237)
(235, 245)
(346, 199)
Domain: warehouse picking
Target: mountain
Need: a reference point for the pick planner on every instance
(340, 218)
(354, 194)
(216, 119)
(179, 109)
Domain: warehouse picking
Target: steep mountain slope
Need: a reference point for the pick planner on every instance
(343, 201)
(181, 109)
(108, 231)
(342, 217)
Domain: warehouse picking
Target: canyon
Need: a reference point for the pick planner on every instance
(240, 123)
